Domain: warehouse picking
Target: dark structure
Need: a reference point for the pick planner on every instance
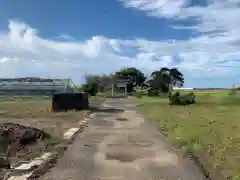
(69, 101)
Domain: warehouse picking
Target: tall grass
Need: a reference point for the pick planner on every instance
(210, 127)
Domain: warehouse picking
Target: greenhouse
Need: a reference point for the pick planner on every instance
(35, 86)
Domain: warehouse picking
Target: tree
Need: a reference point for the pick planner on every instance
(105, 81)
(137, 77)
(164, 79)
(91, 85)
(97, 83)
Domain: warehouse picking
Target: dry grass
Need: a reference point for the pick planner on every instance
(36, 112)
(211, 127)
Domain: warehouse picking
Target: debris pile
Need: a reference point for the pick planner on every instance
(13, 136)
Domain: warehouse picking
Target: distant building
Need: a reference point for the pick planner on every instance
(186, 89)
(35, 86)
(119, 83)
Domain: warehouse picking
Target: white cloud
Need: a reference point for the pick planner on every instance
(45, 57)
(217, 23)
(220, 17)
(24, 53)
(167, 8)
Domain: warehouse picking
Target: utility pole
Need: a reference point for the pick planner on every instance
(113, 88)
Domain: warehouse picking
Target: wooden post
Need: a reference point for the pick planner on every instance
(125, 89)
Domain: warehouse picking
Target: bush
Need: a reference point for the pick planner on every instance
(182, 99)
(152, 92)
(230, 100)
(138, 94)
(91, 89)
(233, 92)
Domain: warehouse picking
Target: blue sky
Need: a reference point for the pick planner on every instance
(73, 38)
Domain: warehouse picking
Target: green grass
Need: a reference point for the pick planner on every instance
(211, 127)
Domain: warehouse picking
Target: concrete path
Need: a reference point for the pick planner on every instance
(121, 150)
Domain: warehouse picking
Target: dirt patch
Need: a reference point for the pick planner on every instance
(106, 110)
(103, 123)
(20, 144)
(122, 119)
(36, 115)
(142, 144)
(121, 156)
(128, 151)
(23, 143)
(145, 144)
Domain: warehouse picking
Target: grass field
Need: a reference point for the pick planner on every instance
(210, 128)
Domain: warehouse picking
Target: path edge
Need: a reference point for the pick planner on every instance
(39, 164)
(208, 171)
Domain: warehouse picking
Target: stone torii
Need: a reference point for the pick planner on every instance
(121, 83)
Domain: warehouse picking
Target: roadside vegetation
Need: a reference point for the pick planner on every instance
(208, 128)
(204, 123)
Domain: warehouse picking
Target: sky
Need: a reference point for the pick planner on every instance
(71, 39)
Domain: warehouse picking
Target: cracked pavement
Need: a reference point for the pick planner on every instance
(123, 149)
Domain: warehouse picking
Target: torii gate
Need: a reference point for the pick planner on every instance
(120, 83)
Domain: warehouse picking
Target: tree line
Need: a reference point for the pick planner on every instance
(162, 80)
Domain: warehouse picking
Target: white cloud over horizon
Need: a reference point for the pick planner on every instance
(214, 54)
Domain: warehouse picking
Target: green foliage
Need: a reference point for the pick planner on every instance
(152, 92)
(209, 129)
(182, 99)
(161, 81)
(91, 88)
(138, 94)
(96, 83)
(136, 76)
(231, 100)
(165, 79)
(233, 92)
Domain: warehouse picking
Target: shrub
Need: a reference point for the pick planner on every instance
(182, 99)
(138, 94)
(230, 100)
(232, 92)
(91, 89)
(152, 92)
